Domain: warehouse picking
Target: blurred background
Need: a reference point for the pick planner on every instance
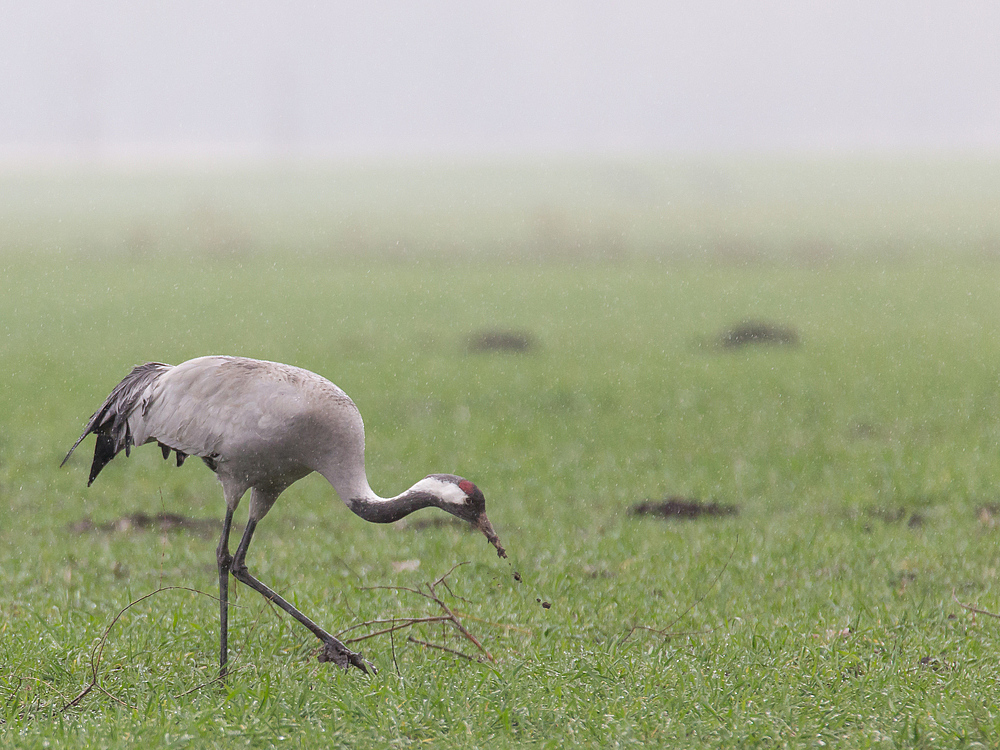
(732, 130)
(113, 80)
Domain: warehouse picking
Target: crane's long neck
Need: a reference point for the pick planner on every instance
(357, 494)
(445, 491)
(377, 509)
(347, 475)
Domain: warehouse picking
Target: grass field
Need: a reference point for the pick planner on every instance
(864, 462)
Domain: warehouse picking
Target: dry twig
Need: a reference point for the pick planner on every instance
(665, 632)
(98, 653)
(411, 639)
(427, 591)
(970, 608)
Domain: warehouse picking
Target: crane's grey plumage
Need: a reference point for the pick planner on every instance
(261, 426)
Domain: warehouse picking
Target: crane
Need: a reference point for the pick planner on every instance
(261, 426)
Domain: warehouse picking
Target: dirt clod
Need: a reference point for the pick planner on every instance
(988, 515)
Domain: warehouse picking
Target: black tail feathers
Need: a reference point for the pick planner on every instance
(110, 422)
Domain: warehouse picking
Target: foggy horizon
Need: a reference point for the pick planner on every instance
(112, 80)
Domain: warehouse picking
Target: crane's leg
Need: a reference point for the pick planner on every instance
(225, 561)
(334, 650)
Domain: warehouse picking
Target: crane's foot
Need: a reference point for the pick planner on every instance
(339, 654)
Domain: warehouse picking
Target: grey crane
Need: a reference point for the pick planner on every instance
(261, 426)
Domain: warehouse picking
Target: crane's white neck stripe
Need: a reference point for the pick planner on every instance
(449, 492)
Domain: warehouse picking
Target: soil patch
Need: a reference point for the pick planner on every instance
(437, 522)
(500, 340)
(680, 507)
(751, 332)
(899, 514)
(162, 522)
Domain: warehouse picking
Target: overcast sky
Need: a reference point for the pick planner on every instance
(188, 77)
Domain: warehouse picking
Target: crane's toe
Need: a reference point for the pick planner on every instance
(339, 654)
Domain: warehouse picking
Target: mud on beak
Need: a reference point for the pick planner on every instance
(483, 524)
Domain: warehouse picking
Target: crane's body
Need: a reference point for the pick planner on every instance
(261, 426)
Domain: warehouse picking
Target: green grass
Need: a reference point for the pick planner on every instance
(824, 612)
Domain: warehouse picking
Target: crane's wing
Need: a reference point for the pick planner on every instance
(207, 405)
(187, 408)
(111, 422)
(211, 407)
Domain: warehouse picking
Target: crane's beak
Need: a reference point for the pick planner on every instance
(483, 524)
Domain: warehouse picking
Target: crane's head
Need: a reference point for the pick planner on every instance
(462, 498)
